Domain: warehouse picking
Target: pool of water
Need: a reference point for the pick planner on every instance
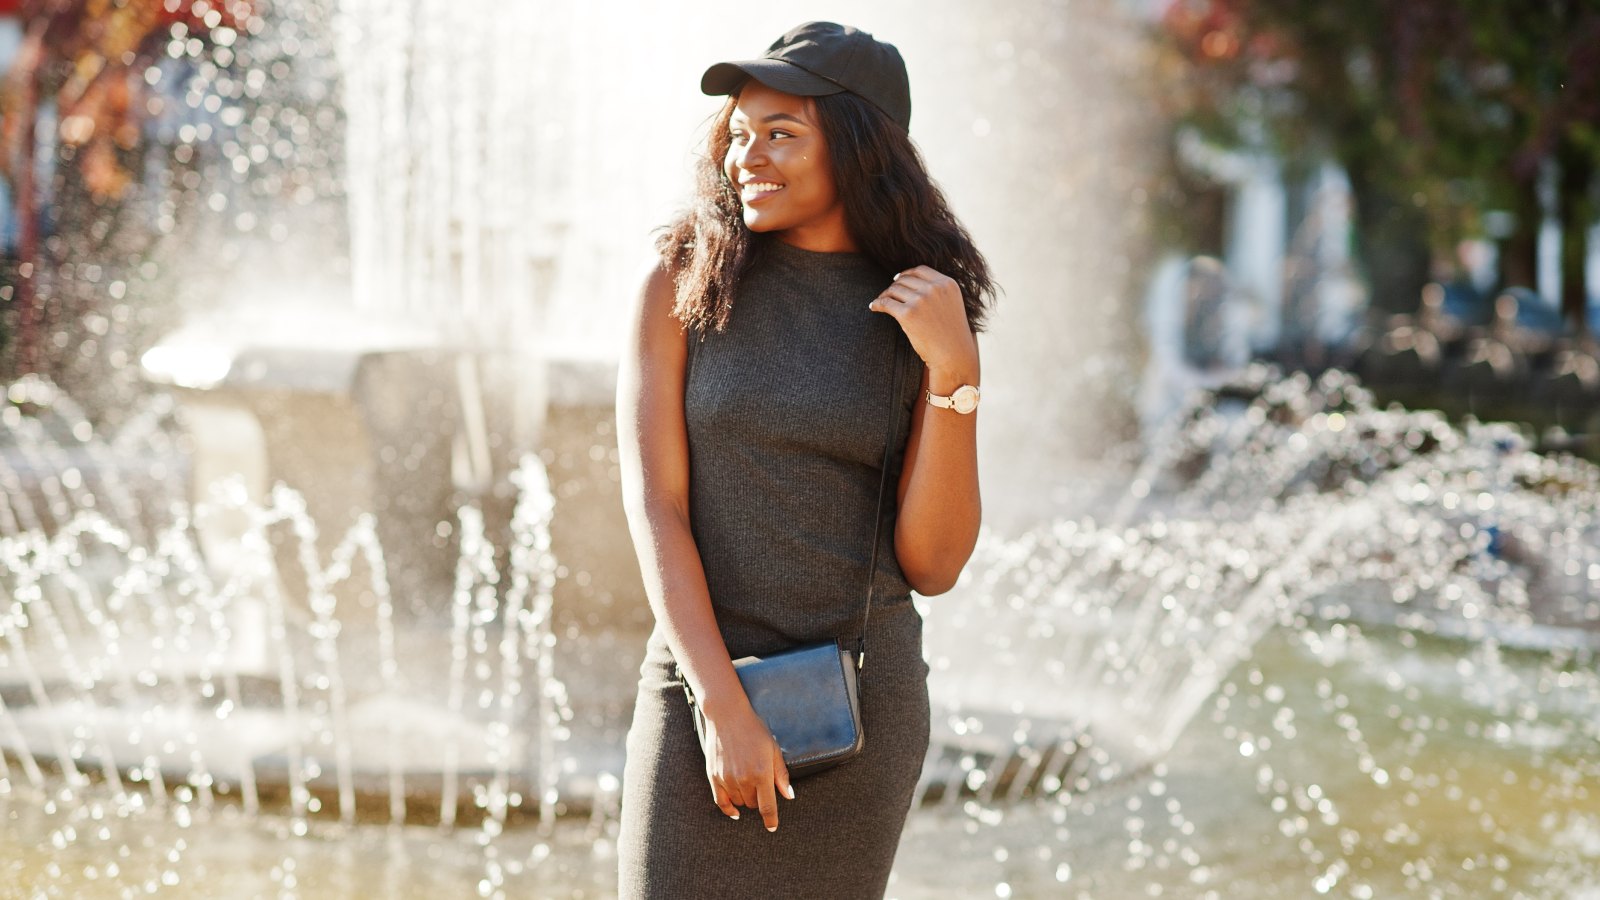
(1333, 761)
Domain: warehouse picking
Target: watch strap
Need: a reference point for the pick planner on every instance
(949, 402)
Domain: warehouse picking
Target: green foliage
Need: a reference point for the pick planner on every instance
(1450, 105)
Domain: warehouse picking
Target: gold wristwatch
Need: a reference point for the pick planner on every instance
(963, 400)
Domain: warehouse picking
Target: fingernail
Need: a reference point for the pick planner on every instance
(771, 828)
(735, 816)
(788, 791)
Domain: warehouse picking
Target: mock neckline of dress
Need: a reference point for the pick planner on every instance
(785, 250)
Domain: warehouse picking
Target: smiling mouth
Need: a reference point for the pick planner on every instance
(757, 190)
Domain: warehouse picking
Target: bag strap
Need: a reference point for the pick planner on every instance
(883, 483)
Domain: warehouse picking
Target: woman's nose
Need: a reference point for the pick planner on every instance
(749, 155)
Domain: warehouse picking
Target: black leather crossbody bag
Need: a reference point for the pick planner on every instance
(809, 695)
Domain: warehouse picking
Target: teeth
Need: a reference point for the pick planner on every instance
(762, 186)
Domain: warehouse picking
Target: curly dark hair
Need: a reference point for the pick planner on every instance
(895, 212)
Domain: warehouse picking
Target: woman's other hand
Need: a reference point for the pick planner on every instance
(744, 764)
(928, 305)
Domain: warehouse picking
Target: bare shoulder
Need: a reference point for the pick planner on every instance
(650, 378)
(656, 333)
(656, 292)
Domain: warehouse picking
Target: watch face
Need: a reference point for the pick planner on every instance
(965, 399)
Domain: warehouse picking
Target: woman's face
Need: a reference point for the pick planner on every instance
(778, 162)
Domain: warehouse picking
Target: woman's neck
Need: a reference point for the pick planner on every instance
(821, 237)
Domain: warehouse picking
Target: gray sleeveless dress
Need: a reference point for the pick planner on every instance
(787, 417)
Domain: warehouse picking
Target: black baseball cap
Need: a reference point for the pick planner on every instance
(819, 58)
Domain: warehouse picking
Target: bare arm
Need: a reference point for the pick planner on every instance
(939, 505)
(940, 509)
(743, 762)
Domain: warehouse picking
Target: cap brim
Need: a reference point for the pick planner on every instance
(723, 78)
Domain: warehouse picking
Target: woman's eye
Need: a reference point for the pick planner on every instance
(737, 136)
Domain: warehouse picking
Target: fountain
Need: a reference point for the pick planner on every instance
(1392, 623)
(268, 636)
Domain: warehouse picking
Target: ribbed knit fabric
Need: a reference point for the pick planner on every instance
(786, 413)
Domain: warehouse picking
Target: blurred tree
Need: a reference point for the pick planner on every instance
(1543, 66)
(89, 56)
(1439, 110)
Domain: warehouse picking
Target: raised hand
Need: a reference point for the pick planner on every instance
(928, 305)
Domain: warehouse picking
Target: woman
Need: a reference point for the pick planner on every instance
(753, 406)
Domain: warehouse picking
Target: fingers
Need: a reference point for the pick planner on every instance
(767, 791)
(738, 794)
(767, 802)
(780, 773)
(905, 293)
(764, 798)
(920, 275)
(724, 802)
(894, 300)
(909, 287)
